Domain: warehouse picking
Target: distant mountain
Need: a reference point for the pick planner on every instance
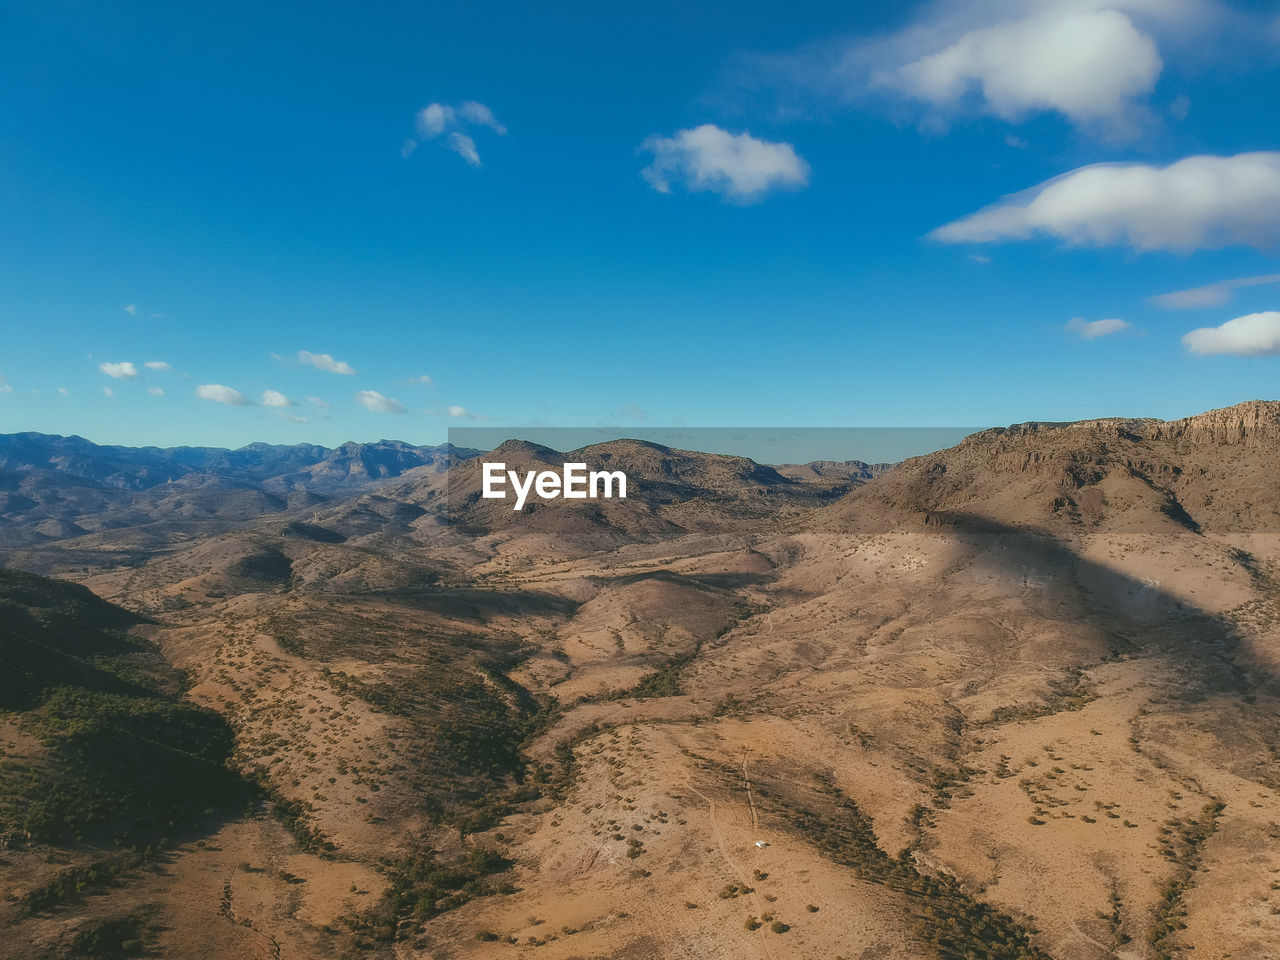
(837, 476)
(140, 468)
(54, 487)
(67, 488)
(670, 491)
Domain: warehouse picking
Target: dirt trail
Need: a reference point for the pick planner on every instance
(751, 802)
(763, 933)
(270, 945)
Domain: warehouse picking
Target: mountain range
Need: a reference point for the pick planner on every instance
(1015, 699)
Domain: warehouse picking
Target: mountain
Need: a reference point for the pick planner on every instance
(1215, 471)
(55, 488)
(1018, 699)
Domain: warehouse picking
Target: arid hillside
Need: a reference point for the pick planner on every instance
(1016, 699)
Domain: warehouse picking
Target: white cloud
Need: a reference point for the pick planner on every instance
(436, 119)
(119, 371)
(1088, 65)
(1210, 295)
(464, 147)
(481, 115)
(274, 398)
(220, 394)
(433, 118)
(373, 400)
(131, 309)
(290, 417)
(1202, 202)
(61, 390)
(422, 379)
(457, 412)
(319, 403)
(158, 365)
(155, 391)
(1253, 335)
(1092, 329)
(108, 392)
(323, 361)
(735, 165)
(1095, 63)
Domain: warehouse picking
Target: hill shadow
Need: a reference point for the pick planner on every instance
(1206, 648)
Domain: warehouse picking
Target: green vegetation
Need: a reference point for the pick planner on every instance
(76, 880)
(268, 565)
(123, 936)
(1069, 693)
(123, 755)
(423, 887)
(58, 634)
(948, 920)
(665, 681)
(1183, 845)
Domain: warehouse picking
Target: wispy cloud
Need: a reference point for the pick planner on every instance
(323, 361)
(437, 119)
(319, 403)
(63, 391)
(465, 147)
(373, 400)
(737, 166)
(155, 391)
(1253, 335)
(1202, 202)
(221, 394)
(1210, 295)
(480, 115)
(292, 418)
(159, 366)
(6, 387)
(423, 379)
(108, 392)
(119, 371)
(274, 398)
(1093, 329)
(131, 309)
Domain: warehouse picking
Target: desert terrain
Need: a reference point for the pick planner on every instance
(1014, 699)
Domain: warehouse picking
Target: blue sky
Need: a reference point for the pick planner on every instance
(680, 214)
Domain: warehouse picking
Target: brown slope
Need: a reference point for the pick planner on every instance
(1212, 472)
